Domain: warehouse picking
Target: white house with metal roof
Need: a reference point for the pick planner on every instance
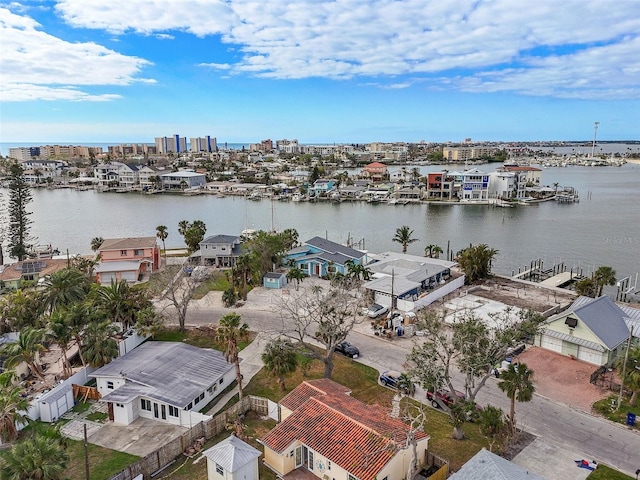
(409, 282)
(166, 381)
(591, 329)
(232, 459)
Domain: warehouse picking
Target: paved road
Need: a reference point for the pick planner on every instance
(566, 428)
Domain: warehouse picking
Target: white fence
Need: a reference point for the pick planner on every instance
(443, 291)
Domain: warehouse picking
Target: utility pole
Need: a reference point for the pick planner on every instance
(86, 452)
(624, 368)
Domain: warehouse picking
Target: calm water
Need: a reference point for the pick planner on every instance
(603, 229)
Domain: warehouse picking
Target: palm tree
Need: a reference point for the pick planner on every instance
(279, 359)
(242, 269)
(162, 234)
(96, 243)
(99, 345)
(230, 332)
(64, 287)
(586, 287)
(37, 458)
(476, 262)
(12, 404)
(25, 349)
(604, 276)
(517, 383)
(357, 271)
(116, 299)
(403, 237)
(60, 331)
(432, 251)
(296, 274)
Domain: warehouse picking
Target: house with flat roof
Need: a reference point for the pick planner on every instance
(129, 259)
(409, 282)
(166, 381)
(327, 433)
(320, 257)
(183, 180)
(595, 330)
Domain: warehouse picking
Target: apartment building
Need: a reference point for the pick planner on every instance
(173, 144)
(288, 146)
(462, 154)
(207, 144)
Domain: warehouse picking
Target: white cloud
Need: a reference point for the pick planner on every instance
(499, 45)
(38, 65)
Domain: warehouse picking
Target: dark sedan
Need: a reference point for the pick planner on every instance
(348, 350)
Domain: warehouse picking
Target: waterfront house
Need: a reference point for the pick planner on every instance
(321, 187)
(149, 176)
(320, 257)
(165, 381)
(474, 185)
(129, 259)
(15, 275)
(440, 186)
(408, 282)
(327, 433)
(232, 459)
(594, 330)
(182, 180)
(503, 185)
(220, 251)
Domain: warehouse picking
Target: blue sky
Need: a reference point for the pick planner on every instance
(121, 71)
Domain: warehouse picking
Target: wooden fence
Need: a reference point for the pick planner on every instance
(208, 429)
(80, 392)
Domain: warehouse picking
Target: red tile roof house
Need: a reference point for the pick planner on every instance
(377, 171)
(326, 432)
(129, 259)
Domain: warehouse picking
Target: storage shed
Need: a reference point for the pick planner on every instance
(56, 403)
(274, 280)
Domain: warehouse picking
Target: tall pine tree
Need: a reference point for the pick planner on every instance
(19, 221)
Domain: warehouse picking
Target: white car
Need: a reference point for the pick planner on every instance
(376, 310)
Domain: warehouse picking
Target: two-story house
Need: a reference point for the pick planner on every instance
(320, 257)
(440, 186)
(128, 259)
(376, 171)
(220, 251)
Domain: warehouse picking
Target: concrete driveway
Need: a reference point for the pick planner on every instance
(140, 438)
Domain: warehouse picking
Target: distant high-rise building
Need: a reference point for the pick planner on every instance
(203, 144)
(173, 144)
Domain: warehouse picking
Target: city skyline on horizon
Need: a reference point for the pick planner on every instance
(324, 72)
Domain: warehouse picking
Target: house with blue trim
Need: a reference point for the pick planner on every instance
(322, 187)
(320, 257)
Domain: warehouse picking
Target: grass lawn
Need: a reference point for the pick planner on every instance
(606, 473)
(217, 282)
(103, 463)
(203, 337)
(363, 382)
(605, 408)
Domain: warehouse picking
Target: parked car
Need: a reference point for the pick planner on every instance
(376, 310)
(348, 350)
(444, 396)
(397, 381)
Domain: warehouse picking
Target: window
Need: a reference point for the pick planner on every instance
(137, 253)
(123, 253)
(110, 385)
(221, 380)
(119, 405)
(201, 397)
(329, 465)
(210, 390)
(190, 406)
(145, 404)
(219, 470)
(351, 477)
(196, 401)
(173, 411)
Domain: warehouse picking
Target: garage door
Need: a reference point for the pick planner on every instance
(551, 343)
(589, 355)
(129, 276)
(107, 277)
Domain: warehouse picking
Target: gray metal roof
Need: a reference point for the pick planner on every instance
(226, 239)
(485, 465)
(333, 247)
(172, 372)
(232, 454)
(55, 395)
(399, 285)
(605, 319)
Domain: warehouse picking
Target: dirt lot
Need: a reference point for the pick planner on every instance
(524, 294)
(562, 379)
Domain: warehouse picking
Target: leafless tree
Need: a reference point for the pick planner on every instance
(175, 298)
(324, 315)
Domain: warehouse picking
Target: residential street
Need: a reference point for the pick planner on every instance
(564, 428)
